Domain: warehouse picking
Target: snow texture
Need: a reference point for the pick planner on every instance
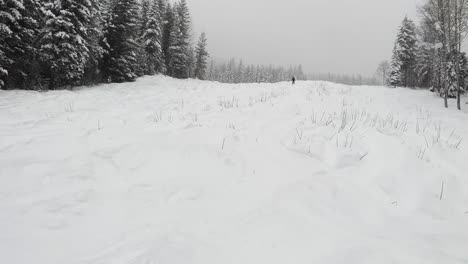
(191, 172)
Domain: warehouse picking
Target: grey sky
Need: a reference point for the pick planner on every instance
(340, 36)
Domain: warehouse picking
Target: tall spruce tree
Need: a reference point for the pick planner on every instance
(95, 36)
(168, 26)
(144, 15)
(120, 59)
(191, 62)
(19, 27)
(201, 58)
(162, 6)
(454, 76)
(425, 66)
(143, 18)
(185, 29)
(404, 56)
(178, 49)
(64, 44)
(9, 23)
(179, 39)
(407, 44)
(427, 56)
(394, 79)
(151, 39)
(431, 61)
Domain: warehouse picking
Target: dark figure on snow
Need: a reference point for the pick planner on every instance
(293, 80)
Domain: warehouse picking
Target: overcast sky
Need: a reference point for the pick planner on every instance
(340, 36)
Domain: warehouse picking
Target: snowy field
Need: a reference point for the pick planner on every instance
(164, 171)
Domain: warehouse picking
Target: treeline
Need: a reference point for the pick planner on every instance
(344, 79)
(50, 44)
(235, 71)
(430, 55)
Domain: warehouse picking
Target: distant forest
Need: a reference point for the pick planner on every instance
(235, 71)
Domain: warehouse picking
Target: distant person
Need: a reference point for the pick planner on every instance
(293, 80)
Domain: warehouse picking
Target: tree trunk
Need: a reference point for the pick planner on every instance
(445, 36)
(458, 19)
(406, 76)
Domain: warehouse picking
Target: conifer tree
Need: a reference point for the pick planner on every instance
(152, 38)
(179, 40)
(185, 29)
(394, 79)
(161, 6)
(168, 26)
(9, 23)
(120, 60)
(191, 62)
(178, 49)
(425, 67)
(64, 44)
(142, 56)
(404, 56)
(453, 75)
(407, 43)
(95, 37)
(239, 72)
(144, 15)
(201, 58)
(19, 27)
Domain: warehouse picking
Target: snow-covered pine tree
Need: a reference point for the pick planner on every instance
(463, 72)
(394, 79)
(106, 8)
(168, 26)
(229, 73)
(300, 73)
(210, 75)
(19, 27)
(120, 60)
(185, 29)
(201, 57)
(452, 73)
(427, 56)
(191, 62)
(64, 43)
(424, 66)
(161, 6)
(407, 45)
(179, 46)
(10, 14)
(239, 72)
(404, 56)
(143, 18)
(29, 64)
(95, 37)
(144, 15)
(251, 76)
(179, 42)
(151, 40)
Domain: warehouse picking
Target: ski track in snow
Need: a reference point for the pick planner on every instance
(169, 171)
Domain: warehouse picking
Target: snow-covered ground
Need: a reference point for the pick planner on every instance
(164, 171)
